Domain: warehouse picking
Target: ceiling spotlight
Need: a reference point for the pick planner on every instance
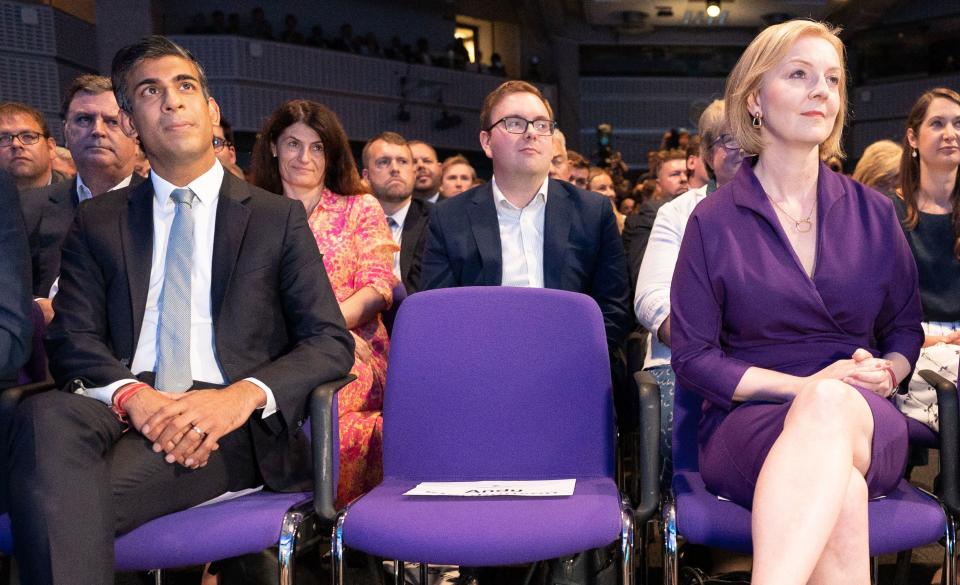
(713, 8)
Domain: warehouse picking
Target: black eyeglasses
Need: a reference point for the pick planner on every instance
(26, 138)
(728, 142)
(518, 125)
(219, 143)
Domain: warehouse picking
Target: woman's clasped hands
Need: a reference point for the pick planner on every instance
(863, 371)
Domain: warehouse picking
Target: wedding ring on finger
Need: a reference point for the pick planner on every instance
(199, 431)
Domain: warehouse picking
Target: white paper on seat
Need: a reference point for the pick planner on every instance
(538, 488)
(230, 496)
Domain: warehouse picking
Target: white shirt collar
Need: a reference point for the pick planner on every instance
(501, 199)
(84, 193)
(400, 215)
(206, 186)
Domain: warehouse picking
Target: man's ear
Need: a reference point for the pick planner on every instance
(214, 108)
(127, 125)
(485, 143)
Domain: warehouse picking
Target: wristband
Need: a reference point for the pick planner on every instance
(121, 396)
(893, 379)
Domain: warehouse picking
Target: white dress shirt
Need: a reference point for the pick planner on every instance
(434, 198)
(84, 193)
(652, 300)
(204, 365)
(521, 238)
(396, 230)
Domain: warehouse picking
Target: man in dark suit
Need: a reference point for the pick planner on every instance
(387, 166)
(104, 156)
(192, 280)
(523, 229)
(671, 174)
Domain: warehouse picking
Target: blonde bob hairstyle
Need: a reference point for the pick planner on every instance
(879, 167)
(763, 54)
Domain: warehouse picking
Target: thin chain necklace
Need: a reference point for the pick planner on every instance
(801, 225)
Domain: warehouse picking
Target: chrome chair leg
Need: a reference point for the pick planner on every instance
(874, 570)
(158, 577)
(627, 536)
(399, 573)
(336, 549)
(423, 573)
(950, 553)
(669, 519)
(287, 546)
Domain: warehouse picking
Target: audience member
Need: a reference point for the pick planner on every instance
(928, 207)
(457, 175)
(496, 66)
(62, 163)
(26, 148)
(427, 166)
(316, 38)
(721, 157)
(388, 168)
(697, 175)
(524, 229)
(105, 157)
(218, 23)
(225, 148)
(579, 169)
(344, 40)
(126, 291)
(259, 27)
(796, 423)
(304, 154)
(290, 33)
(599, 181)
(141, 164)
(670, 170)
(627, 205)
(879, 167)
(559, 166)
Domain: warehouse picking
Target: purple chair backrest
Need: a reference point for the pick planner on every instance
(498, 383)
(687, 409)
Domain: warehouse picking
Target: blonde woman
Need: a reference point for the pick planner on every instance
(879, 167)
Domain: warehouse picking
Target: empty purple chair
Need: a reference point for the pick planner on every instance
(244, 525)
(906, 518)
(493, 383)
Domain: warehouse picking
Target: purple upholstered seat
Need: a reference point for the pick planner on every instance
(493, 383)
(247, 524)
(921, 435)
(904, 519)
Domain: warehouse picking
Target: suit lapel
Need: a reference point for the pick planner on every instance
(556, 235)
(136, 229)
(231, 224)
(486, 232)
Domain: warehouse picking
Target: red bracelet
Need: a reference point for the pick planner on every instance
(893, 378)
(121, 396)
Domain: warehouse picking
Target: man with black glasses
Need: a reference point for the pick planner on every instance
(26, 148)
(226, 149)
(523, 229)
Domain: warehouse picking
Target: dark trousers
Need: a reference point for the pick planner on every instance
(77, 478)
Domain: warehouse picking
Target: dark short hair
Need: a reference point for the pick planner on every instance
(341, 174)
(152, 47)
(14, 108)
(576, 160)
(86, 83)
(227, 129)
(389, 138)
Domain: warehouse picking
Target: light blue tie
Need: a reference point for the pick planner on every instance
(173, 333)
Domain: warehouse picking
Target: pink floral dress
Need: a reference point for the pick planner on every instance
(352, 234)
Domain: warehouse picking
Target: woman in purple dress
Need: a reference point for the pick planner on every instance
(795, 313)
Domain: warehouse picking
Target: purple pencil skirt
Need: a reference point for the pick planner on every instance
(730, 461)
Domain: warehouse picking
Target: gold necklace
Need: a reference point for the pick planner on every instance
(802, 225)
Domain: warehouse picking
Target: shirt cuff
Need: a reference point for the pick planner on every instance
(105, 393)
(270, 408)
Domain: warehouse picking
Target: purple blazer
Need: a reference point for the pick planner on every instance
(740, 297)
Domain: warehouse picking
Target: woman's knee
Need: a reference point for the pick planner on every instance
(832, 407)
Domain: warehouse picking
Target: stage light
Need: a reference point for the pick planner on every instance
(713, 8)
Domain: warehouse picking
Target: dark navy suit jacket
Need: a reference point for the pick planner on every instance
(582, 251)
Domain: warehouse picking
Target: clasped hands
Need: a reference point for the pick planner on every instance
(864, 371)
(189, 426)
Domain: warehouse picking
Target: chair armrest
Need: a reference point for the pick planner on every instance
(949, 485)
(649, 472)
(325, 436)
(11, 397)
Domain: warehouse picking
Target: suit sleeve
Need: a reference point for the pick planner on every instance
(16, 325)
(610, 286)
(436, 271)
(320, 348)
